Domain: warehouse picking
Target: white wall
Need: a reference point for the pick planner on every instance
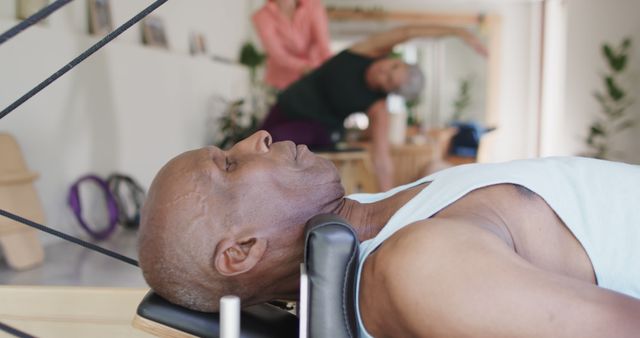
(129, 107)
(590, 23)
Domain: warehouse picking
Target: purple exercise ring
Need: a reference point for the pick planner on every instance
(112, 206)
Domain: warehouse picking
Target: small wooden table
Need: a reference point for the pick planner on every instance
(46, 311)
(355, 169)
(411, 162)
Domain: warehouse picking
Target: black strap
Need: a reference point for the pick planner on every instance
(82, 57)
(128, 199)
(32, 20)
(14, 332)
(69, 238)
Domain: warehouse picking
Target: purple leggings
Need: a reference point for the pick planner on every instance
(309, 132)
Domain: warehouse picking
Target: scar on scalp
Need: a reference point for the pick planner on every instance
(199, 197)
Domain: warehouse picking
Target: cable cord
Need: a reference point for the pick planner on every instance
(32, 20)
(69, 238)
(14, 332)
(6, 36)
(82, 57)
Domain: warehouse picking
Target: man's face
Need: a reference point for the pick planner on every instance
(386, 75)
(211, 206)
(255, 184)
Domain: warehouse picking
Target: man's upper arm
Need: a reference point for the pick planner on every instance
(451, 280)
(380, 152)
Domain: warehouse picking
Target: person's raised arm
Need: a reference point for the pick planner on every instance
(445, 278)
(380, 151)
(381, 44)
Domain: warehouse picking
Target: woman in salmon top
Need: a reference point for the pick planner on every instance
(295, 36)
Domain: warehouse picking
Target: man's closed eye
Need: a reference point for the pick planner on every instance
(228, 165)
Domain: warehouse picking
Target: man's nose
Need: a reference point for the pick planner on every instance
(259, 142)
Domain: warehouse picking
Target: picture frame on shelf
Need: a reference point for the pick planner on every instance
(153, 32)
(197, 44)
(26, 8)
(100, 20)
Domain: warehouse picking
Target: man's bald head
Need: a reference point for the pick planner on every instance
(229, 222)
(172, 219)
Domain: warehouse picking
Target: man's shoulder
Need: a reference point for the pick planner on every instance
(410, 268)
(430, 244)
(414, 241)
(360, 49)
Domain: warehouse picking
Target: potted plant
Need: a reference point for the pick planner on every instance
(241, 117)
(252, 59)
(467, 138)
(463, 100)
(613, 99)
(235, 124)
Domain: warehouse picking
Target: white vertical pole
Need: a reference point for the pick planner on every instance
(230, 317)
(553, 132)
(303, 304)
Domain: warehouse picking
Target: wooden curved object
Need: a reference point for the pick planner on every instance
(20, 244)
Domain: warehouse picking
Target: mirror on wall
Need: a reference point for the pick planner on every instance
(458, 79)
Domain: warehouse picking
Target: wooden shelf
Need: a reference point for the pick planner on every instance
(352, 14)
(90, 39)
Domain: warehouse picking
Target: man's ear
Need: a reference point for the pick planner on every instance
(233, 257)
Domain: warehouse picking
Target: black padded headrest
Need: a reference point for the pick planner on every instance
(259, 321)
(331, 258)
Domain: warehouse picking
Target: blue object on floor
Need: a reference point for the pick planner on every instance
(466, 141)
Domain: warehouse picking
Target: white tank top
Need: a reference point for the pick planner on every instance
(599, 201)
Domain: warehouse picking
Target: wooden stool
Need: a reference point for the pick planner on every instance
(410, 162)
(355, 170)
(441, 138)
(19, 243)
(415, 161)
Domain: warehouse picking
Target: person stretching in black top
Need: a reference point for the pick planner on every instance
(312, 110)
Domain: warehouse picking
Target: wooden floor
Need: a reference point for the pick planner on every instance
(71, 311)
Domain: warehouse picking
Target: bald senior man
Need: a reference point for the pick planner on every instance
(547, 248)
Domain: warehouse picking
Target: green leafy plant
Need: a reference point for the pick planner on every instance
(463, 99)
(240, 119)
(236, 124)
(613, 100)
(252, 58)
(412, 113)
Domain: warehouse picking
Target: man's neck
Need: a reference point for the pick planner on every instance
(368, 219)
